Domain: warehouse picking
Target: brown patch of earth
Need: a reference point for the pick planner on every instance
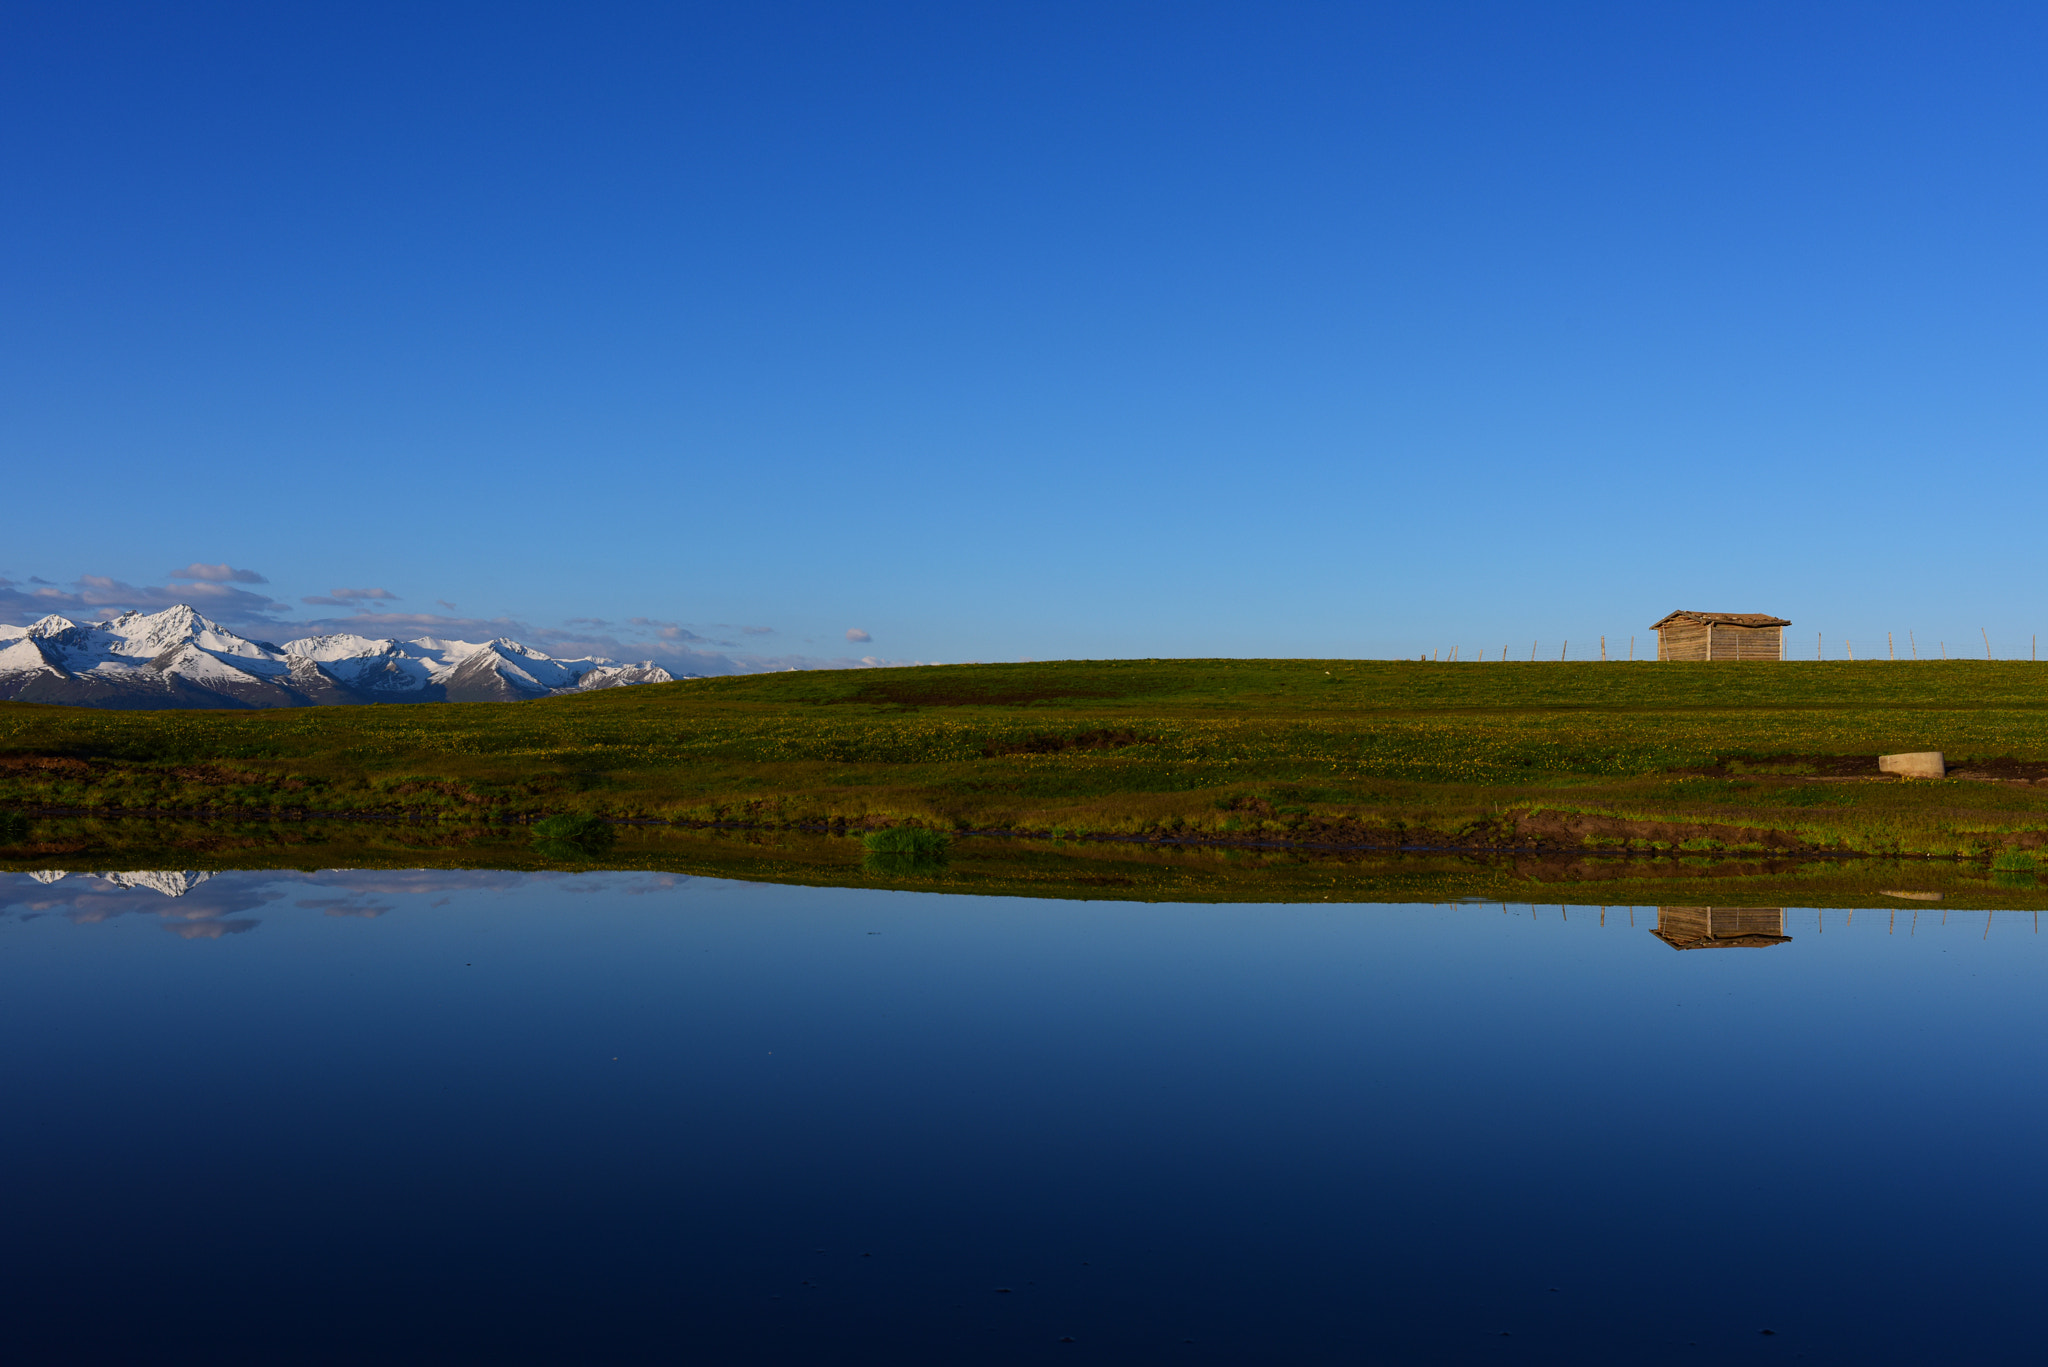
(2002, 769)
(1050, 745)
(1575, 828)
(55, 763)
(1788, 766)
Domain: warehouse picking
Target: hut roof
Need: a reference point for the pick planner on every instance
(1720, 619)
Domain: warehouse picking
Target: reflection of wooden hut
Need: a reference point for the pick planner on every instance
(1720, 927)
(1720, 636)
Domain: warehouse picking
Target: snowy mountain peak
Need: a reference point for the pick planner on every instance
(154, 633)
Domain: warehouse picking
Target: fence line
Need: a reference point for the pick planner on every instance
(1455, 654)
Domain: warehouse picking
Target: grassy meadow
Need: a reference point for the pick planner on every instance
(1703, 759)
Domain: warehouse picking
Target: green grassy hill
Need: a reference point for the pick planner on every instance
(1705, 756)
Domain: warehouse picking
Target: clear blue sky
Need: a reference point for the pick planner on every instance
(1033, 330)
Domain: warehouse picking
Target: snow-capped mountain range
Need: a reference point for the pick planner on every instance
(177, 658)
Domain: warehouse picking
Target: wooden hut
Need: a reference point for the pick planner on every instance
(1720, 636)
(1721, 927)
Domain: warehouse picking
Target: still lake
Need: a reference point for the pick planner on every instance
(472, 1117)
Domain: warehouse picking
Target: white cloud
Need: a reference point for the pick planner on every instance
(663, 631)
(216, 574)
(342, 598)
(856, 634)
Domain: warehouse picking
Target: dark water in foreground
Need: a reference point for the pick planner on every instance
(501, 1118)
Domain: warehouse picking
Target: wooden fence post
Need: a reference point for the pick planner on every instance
(1890, 650)
(1603, 650)
(1532, 652)
(1816, 647)
(1987, 643)
(1912, 644)
(1562, 649)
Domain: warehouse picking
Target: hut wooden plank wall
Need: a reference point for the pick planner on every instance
(1686, 635)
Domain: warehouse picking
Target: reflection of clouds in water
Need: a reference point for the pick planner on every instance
(413, 882)
(211, 929)
(442, 883)
(342, 906)
(653, 882)
(209, 906)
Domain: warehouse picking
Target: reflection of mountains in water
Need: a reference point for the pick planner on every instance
(169, 882)
(1721, 927)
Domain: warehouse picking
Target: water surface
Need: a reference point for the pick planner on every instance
(466, 1117)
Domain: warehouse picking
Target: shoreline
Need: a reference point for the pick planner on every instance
(423, 819)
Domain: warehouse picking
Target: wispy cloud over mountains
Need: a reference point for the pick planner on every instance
(94, 595)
